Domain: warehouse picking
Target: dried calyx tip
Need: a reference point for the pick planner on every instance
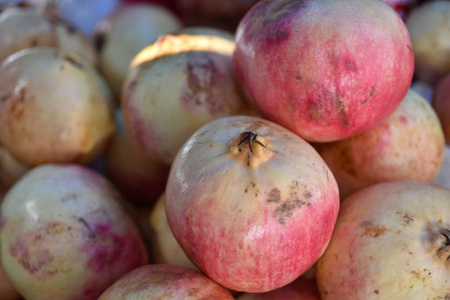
(250, 137)
(248, 147)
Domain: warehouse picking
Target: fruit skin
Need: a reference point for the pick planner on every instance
(300, 289)
(161, 281)
(429, 30)
(391, 241)
(54, 108)
(164, 247)
(139, 176)
(441, 103)
(175, 86)
(66, 235)
(407, 145)
(22, 28)
(326, 70)
(121, 35)
(249, 217)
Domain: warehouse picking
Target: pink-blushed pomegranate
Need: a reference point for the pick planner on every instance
(429, 28)
(408, 145)
(251, 204)
(300, 289)
(441, 103)
(324, 69)
(161, 281)
(164, 247)
(391, 241)
(138, 175)
(54, 108)
(175, 86)
(121, 35)
(25, 27)
(65, 234)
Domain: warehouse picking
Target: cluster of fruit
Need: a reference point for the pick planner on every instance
(284, 149)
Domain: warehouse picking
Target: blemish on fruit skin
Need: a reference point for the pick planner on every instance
(207, 83)
(274, 195)
(74, 62)
(107, 250)
(33, 250)
(285, 209)
(372, 230)
(371, 93)
(404, 120)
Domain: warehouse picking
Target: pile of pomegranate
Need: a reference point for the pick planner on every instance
(241, 149)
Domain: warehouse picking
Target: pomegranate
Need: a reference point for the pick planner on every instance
(125, 32)
(138, 175)
(392, 241)
(324, 69)
(251, 204)
(54, 108)
(23, 27)
(429, 28)
(66, 235)
(160, 281)
(163, 246)
(409, 144)
(175, 86)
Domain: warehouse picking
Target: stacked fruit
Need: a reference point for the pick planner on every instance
(293, 159)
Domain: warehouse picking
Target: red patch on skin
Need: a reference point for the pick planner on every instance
(404, 120)
(110, 256)
(108, 249)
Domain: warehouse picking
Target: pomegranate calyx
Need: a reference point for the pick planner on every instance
(249, 148)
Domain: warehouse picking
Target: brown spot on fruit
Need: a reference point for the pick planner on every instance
(204, 83)
(376, 292)
(294, 201)
(372, 230)
(372, 91)
(74, 61)
(341, 111)
(274, 195)
(284, 210)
